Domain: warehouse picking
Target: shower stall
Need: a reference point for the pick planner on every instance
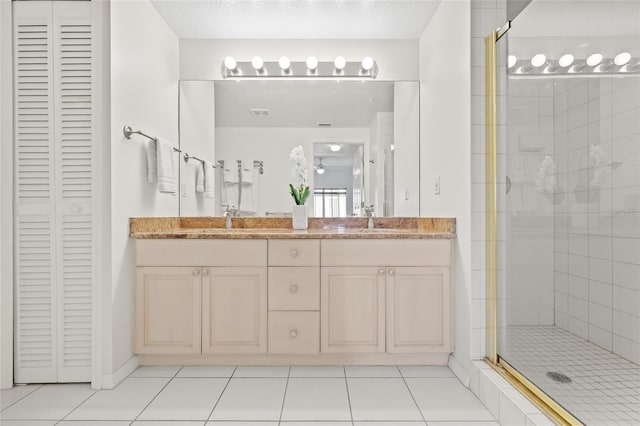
(564, 206)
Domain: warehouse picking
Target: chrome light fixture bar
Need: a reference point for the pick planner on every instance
(339, 68)
(568, 65)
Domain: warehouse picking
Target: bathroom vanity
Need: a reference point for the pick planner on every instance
(261, 293)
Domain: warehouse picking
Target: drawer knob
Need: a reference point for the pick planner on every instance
(392, 271)
(380, 271)
(293, 252)
(205, 272)
(196, 272)
(293, 288)
(293, 333)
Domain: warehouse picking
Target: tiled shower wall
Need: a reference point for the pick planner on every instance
(597, 211)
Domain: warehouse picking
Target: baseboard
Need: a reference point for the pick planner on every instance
(458, 369)
(110, 381)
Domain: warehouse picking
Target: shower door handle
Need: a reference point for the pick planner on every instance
(508, 184)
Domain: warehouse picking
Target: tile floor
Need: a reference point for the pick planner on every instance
(604, 388)
(254, 396)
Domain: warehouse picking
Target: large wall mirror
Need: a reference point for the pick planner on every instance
(360, 139)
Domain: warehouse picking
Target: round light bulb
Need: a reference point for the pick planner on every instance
(335, 148)
(230, 63)
(565, 60)
(320, 170)
(622, 58)
(538, 60)
(594, 59)
(312, 63)
(340, 63)
(367, 63)
(257, 62)
(511, 61)
(284, 63)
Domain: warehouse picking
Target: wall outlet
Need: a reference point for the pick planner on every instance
(436, 186)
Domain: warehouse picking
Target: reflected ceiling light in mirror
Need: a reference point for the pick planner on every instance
(538, 60)
(230, 63)
(511, 61)
(335, 147)
(312, 64)
(566, 60)
(622, 58)
(340, 63)
(257, 63)
(367, 63)
(392, 147)
(320, 168)
(594, 59)
(285, 64)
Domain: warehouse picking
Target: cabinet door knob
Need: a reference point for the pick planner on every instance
(392, 271)
(293, 333)
(293, 252)
(293, 288)
(205, 272)
(196, 272)
(380, 271)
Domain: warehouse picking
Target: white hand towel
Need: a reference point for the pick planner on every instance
(152, 162)
(249, 198)
(209, 180)
(247, 172)
(166, 161)
(200, 173)
(231, 174)
(230, 194)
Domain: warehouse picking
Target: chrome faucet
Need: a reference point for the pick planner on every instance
(229, 211)
(368, 211)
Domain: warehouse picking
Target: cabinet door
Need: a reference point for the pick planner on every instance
(168, 310)
(352, 309)
(234, 307)
(418, 310)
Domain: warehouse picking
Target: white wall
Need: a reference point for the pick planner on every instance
(144, 94)
(197, 137)
(445, 147)
(202, 59)
(6, 195)
(406, 135)
(272, 145)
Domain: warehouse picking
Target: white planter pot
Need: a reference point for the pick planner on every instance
(299, 216)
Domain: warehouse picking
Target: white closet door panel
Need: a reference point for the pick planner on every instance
(35, 331)
(74, 171)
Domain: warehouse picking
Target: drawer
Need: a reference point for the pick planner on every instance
(294, 288)
(193, 252)
(294, 332)
(294, 252)
(386, 252)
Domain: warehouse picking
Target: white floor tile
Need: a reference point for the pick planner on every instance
(185, 399)
(28, 422)
(425, 371)
(315, 423)
(206, 371)
(155, 372)
(125, 402)
(166, 423)
(251, 399)
(381, 399)
(447, 400)
(16, 393)
(389, 423)
(466, 424)
(317, 371)
(372, 371)
(262, 372)
(242, 423)
(50, 402)
(316, 399)
(93, 423)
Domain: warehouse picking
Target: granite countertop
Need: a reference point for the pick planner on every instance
(281, 228)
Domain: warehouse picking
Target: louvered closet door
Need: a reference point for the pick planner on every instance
(54, 191)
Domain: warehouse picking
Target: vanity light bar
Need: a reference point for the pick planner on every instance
(310, 68)
(567, 64)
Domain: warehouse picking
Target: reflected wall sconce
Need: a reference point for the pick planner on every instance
(339, 68)
(568, 64)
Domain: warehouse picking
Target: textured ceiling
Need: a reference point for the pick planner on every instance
(297, 19)
(301, 103)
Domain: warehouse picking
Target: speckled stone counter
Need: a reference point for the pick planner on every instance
(281, 228)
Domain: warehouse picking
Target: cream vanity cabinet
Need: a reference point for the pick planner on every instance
(389, 296)
(201, 296)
